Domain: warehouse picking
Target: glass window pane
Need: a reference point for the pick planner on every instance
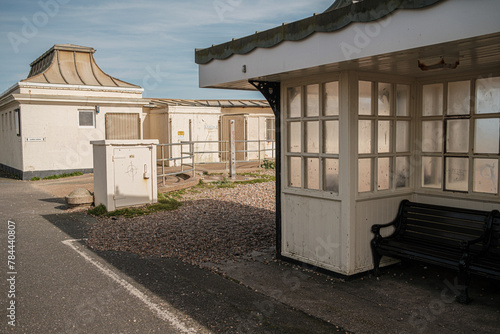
(384, 136)
(295, 172)
(432, 136)
(365, 98)
(459, 98)
(312, 167)
(432, 172)
(312, 137)
(331, 137)
(331, 98)
(331, 176)
(86, 118)
(312, 100)
(487, 136)
(384, 99)
(457, 136)
(384, 171)
(486, 176)
(365, 136)
(432, 100)
(294, 137)
(402, 136)
(294, 102)
(457, 174)
(488, 95)
(402, 172)
(364, 175)
(402, 100)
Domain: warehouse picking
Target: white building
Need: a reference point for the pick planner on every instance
(206, 122)
(49, 119)
(375, 102)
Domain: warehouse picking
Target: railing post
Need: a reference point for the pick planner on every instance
(232, 145)
(260, 148)
(193, 159)
(162, 150)
(182, 157)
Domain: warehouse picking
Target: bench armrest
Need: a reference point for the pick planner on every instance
(376, 228)
(486, 236)
(396, 222)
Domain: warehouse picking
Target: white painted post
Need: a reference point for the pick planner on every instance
(232, 145)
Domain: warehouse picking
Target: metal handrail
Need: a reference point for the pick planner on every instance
(191, 154)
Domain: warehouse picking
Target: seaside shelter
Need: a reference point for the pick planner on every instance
(376, 101)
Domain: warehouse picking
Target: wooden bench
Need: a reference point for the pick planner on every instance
(459, 239)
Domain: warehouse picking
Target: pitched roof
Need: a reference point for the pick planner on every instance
(71, 65)
(339, 15)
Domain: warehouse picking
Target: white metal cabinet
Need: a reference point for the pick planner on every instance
(125, 173)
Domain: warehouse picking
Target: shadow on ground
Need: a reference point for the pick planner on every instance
(405, 299)
(218, 303)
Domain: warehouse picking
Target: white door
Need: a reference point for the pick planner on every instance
(132, 171)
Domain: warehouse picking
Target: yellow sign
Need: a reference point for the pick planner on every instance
(181, 133)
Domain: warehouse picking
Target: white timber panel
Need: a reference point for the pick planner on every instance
(368, 213)
(311, 230)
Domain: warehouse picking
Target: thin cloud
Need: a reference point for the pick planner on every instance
(133, 37)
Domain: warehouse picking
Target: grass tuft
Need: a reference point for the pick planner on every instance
(165, 203)
(58, 176)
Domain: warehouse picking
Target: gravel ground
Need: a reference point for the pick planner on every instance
(212, 226)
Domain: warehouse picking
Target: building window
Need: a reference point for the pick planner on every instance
(312, 143)
(17, 121)
(460, 138)
(86, 118)
(270, 129)
(384, 134)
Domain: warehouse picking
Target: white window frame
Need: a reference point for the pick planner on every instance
(303, 155)
(443, 154)
(392, 154)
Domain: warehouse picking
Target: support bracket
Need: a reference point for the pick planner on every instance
(272, 93)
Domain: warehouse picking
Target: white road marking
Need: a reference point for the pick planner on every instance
(160, 312)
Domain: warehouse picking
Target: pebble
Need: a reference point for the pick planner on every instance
(212, 226)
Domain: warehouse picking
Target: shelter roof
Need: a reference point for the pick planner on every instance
(212, 103)
(339, 15)
(71, 65)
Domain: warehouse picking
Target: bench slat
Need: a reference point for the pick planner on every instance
(457, 213)
(469, 224)
(432, 228)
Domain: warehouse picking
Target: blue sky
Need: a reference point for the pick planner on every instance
(149, 43)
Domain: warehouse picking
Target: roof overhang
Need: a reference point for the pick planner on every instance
(463, 30)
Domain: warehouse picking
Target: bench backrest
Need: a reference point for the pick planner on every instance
(441, 226)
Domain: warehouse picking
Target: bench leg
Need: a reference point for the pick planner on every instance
(464, 280)
(376, 260)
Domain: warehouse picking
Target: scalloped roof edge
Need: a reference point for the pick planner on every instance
(329, 21)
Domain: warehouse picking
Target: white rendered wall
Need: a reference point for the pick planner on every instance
(10, 143)
(204, 127)
(66, 145)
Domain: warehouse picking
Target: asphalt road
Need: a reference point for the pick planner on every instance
(56, 285)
